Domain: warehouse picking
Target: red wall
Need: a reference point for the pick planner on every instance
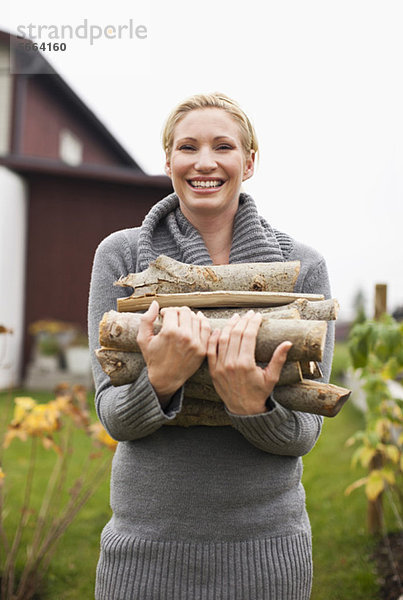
(46, 113)
(67, 220)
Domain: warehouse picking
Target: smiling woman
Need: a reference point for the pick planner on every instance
(207, 164)
(212, 512)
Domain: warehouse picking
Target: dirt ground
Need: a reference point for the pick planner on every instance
(388, 558)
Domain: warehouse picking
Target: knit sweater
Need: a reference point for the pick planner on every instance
(202, 513)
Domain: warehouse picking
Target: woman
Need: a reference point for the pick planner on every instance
(204, 512)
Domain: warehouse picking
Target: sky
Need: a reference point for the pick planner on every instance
(321, 81)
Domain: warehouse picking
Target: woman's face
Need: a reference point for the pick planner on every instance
(208, 163)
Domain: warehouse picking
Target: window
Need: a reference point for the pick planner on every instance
(70, 148)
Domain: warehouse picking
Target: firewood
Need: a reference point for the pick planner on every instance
(197, 412)
(310, 369)
(320, 310)
(306, 396)
(208, 299)
(166, 276)
(125, 367)
(119, 331)
(278, 312)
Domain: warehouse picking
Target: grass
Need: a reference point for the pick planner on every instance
(341, 545)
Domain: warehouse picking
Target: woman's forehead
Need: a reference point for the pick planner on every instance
(202, 121)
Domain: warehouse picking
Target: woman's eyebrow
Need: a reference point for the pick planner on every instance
(192, 139)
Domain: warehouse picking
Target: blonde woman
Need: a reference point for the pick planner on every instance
(204, 512)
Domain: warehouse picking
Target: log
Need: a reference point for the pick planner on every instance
(166, 276)
(278, 312)
(206, 299)
(320, 310)
(198, 412)
(119, 331)
(310, 370)
(306, 396)
(125, 367)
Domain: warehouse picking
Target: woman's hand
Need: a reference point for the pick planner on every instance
(243, 386)
(177, 351)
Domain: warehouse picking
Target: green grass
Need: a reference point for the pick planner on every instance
(341, 545)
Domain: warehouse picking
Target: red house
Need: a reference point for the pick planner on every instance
(65, 183)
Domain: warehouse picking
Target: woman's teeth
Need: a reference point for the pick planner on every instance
(206, 184)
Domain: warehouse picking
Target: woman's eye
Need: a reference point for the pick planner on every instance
(224, 147)
(186, 147)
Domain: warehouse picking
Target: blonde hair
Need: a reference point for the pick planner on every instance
(213, 100)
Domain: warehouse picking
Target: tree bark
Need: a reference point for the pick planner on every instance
(278, 312)
(320, 310)
(209, 299)
(125, 367)
(201, 412)
(306, 396)
(119, 331)
(166, 275)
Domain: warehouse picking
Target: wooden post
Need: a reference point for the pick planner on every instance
(380, 300)
(375, 508)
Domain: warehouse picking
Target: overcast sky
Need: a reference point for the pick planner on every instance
(322, 82)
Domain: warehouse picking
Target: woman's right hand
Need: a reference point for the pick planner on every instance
(176, 351)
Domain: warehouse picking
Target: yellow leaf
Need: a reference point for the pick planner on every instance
(355, 485)
(23, 406)
(389, 476)
(397, 412)
(392, 452)
(367, 455)
(350, 442)
(375, 485)
(100, 435)
(382, 427)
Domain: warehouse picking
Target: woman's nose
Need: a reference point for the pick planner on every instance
(205, 160)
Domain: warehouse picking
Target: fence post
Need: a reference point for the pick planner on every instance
(375, 509)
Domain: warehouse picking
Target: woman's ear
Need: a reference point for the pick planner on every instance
(249, 166)
(168, 168)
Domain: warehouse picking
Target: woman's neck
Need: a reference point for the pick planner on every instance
(216, 233)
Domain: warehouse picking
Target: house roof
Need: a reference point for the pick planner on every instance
(34, 64)
(26, 165)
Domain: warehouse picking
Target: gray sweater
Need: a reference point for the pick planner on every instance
(202, 512)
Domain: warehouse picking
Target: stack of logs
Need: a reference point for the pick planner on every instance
(268, 287)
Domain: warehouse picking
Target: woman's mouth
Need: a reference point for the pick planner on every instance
(205, 184)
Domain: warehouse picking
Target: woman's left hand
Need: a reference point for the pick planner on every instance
(242, 385)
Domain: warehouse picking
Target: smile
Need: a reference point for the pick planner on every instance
(212, 183)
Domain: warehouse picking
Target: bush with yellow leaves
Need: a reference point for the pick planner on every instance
(376, 349)
(52, 425)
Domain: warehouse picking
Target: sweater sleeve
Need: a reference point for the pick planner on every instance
(280, 430)
(130, 411)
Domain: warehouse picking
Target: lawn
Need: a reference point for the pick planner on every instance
(342, 567)
(341, 545)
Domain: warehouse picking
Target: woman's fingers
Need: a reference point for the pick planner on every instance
(202, 328)
(170, 319)
(237, 341)
(225, 337)
(212, 348)
(244, 338)
(273, 369)
(146, 327)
